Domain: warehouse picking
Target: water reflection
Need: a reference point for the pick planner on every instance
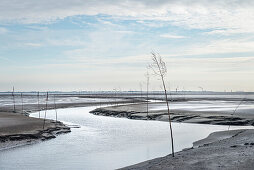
(103, 142)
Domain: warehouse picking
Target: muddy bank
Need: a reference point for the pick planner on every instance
(30, 103)
(220, 150)
(17, 129)
(138, 111)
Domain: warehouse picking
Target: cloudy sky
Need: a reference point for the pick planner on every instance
(106, 44)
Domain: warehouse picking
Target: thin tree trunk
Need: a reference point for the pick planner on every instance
(45, 115)
(141, 91)
(13, 96)
(38, 96)
(22, 103)
(161, 72)
(171, 131)
(55, 108)
(147, 101)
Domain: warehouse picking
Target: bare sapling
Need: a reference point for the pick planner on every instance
(46, 107)
(120, 94)
(13, 97)
(55, 108)
(22, 103)
(38, 97)
(141, 91)
(184, 93)
(115, 97)
(202, 89)
(147, 92)
(171, 98)
(100, 102)
(236, 109)
(100, 94)
(159, 68)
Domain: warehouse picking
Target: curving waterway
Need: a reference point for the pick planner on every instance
(103, 142)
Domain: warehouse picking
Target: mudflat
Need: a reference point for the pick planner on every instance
(157, 111)
(17, 129)
(228, 150)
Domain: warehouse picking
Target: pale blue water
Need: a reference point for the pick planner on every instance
(103, 142)
(208, 105)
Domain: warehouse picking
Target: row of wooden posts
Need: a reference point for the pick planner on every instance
(38, 106)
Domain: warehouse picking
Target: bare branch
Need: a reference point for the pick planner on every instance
(159, 68)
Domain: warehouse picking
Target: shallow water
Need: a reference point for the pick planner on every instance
(8, 100)
(206, 105)
(103, 142)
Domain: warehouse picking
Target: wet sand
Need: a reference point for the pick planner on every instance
(17, 129)
(233, 149)
(220, 150)
(30, 103)
(139, 111)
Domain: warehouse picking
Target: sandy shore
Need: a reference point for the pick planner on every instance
(220, 150)
(29, 107)
(17, 129)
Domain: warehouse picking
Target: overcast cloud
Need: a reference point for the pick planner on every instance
(226, 16)
(203, 41)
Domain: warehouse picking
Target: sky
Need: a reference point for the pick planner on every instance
(79, 45)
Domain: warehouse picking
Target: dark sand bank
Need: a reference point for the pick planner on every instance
(233, 149)
(157, 112)
(220, 150)
(30, 102)
(17, 129)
